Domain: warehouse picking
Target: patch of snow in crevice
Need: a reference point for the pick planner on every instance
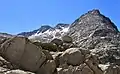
(116, 57)
(104, 66)
(51, 34)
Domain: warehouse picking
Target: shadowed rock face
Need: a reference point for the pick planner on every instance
(89, 23)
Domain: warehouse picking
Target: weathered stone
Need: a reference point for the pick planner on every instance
(64, 71)
(93, 59)
(22, 52)
(11, 47)
(67, 39)
(57, 41)
(17, 72)
(47, 54)
(68, 45)
(3, 70)
(61, 48)
(2, 40)
(93, 67)
(82, 69)
(56, 56)
(5, 64)
(47, 68)
(49, 46)
(113, 69)
(72, 56)
(37, 43)
(32, 58)
(87, 70)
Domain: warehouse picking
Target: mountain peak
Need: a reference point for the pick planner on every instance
(44, 28)
(47, 32)
(92, 23)
(61, 25)
(94, 11)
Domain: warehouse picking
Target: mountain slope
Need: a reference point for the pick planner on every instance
(95, 32)
(47, 33)
(90, 22)
(42, 29)
(5, 35)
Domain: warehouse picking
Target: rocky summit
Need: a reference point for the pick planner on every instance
(97, 33)
(90, 45)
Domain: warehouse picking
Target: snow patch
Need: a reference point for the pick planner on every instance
(104, 66)
(50, 34)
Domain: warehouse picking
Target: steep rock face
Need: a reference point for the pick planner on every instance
(91, 23)
(98, 34)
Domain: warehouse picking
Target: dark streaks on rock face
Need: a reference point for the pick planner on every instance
(97, 33)
(89, 24)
